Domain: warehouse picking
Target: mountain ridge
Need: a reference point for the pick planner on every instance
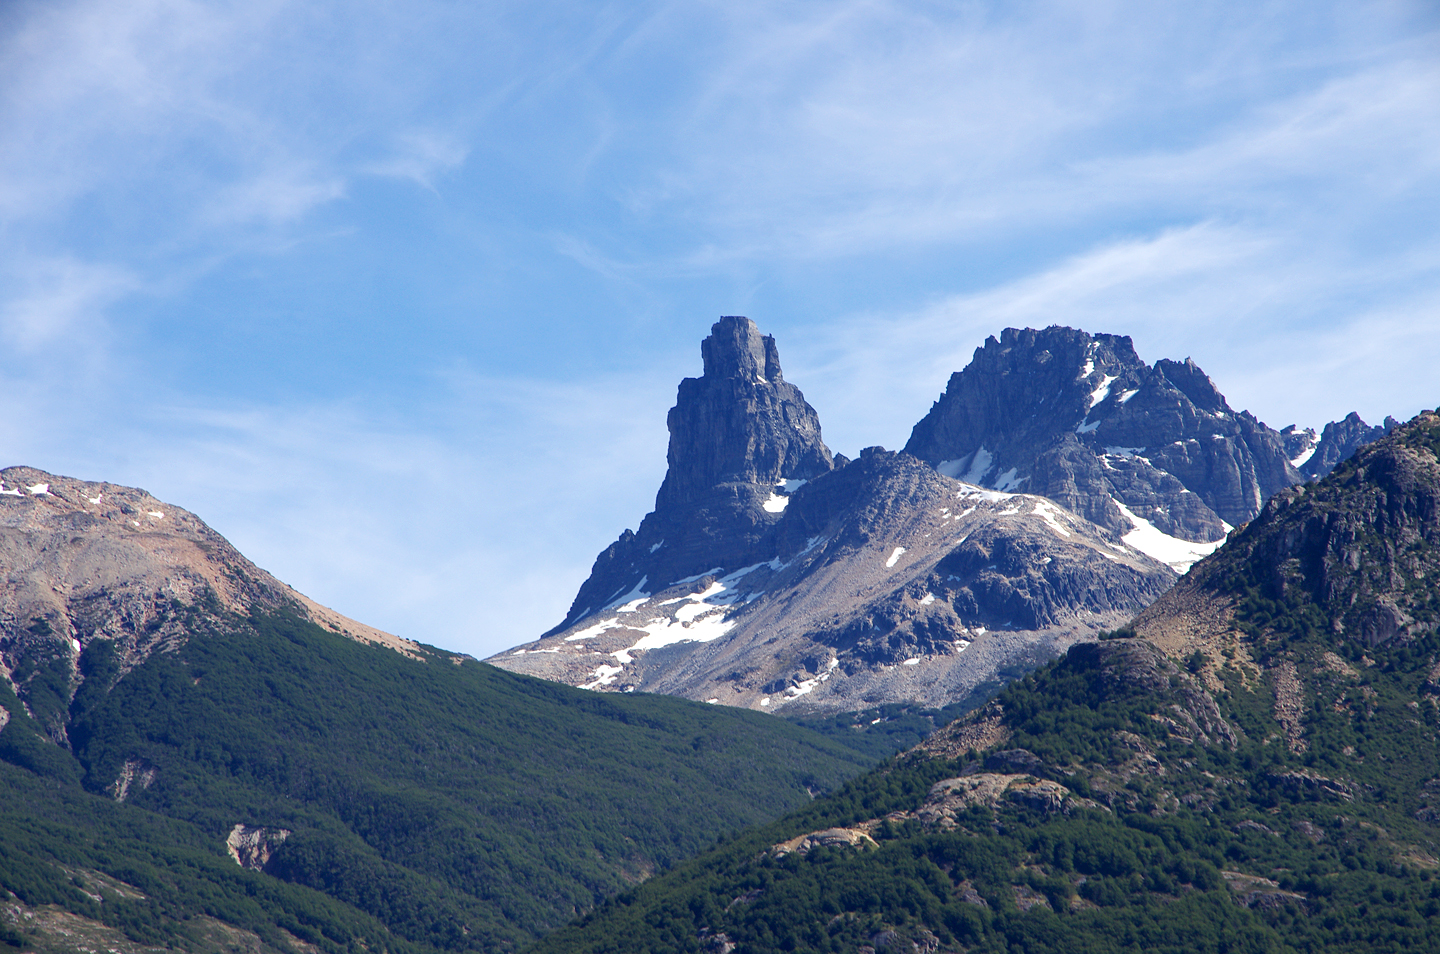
(730, 590)
(1252, 766)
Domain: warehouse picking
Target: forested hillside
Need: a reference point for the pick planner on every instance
(394, 803)
(1253, 767)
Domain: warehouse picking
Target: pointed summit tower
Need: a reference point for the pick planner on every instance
(741, 439)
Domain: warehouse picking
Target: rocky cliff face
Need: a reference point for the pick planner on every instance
(1359, 550)
(741, 437)
(1081, 419)
(1336, 443)
(82, 561)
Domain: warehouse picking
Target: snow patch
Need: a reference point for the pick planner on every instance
(1306, 455)
(806, 685)
(1150, 540)
(1124, 451)
(39, 490)
(979, 466)
(13, 492)
(157, 514)
(792, 484)
(1051, 515)
(775, 503)
(633, 605)
(664, 632)
(638, 592)
(589, 632)
(971, 468)
(1008, 480)
(604, 676)
(929, 598)
(894, 557)
(657, 546)
(988, 496)
(1125, 396)
(913, 661)
(1102, 391)
(95, 499)
(1089, 428)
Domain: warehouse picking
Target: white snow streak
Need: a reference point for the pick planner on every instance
(604, 676)
(590, 632)
(1051, 515)
(1150, 540)
(894, 557)
(1102, 391)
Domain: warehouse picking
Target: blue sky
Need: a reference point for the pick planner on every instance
(395, 293)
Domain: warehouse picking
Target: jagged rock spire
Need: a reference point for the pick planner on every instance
(740, 422)
(737, 434)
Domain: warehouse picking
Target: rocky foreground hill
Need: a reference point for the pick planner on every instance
(1254, 765)
(1057, 487)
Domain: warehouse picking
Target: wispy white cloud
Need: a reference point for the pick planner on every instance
(856, 128)
(60, 301)
(1278, 332)
(420, 157)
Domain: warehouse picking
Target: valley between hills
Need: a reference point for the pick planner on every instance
(1095, 662)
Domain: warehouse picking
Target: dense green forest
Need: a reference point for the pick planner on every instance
(442, 804)
(1162, 844)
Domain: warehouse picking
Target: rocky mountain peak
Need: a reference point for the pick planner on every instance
(1359, 546)
(1080, 418)
(742, 439)
(737, 349)
(83, 562)
(740, 422)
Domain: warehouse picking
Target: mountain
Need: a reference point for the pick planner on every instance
(1316, 455)
(194, 755)
(85, 560)
(773, 575)
(1254, 765)
(1081, 419)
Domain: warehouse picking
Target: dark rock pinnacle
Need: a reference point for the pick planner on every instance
(738, 433)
